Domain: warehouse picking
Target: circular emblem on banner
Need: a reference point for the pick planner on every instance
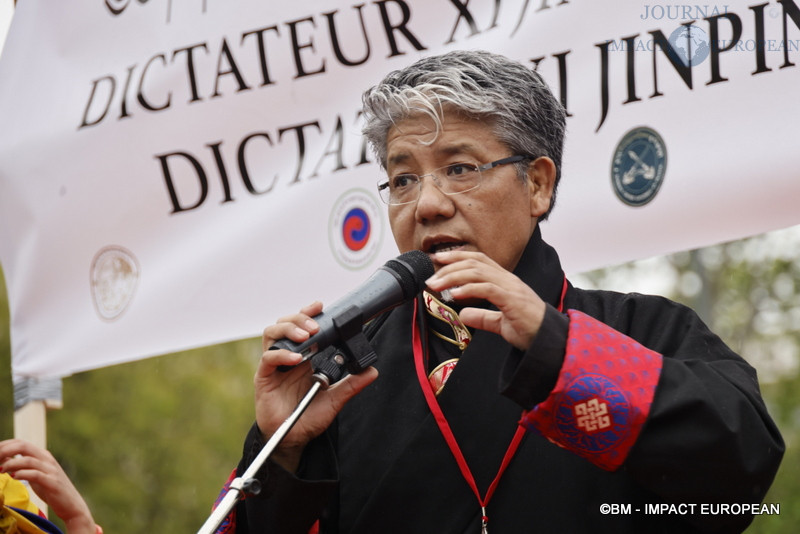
(355, 230)
(113, 278)
(691, 44)
(638, 167)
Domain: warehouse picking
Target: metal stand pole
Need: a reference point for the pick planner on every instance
(247, 483)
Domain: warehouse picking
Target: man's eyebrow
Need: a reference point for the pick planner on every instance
(398, 159)
(460, 148)
(449, 150)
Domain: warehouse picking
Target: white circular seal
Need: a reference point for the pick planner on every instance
(113, 277)
(355, 228)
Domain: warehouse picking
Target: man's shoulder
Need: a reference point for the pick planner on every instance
(588, 300)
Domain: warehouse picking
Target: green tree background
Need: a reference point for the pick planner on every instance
(150, 443)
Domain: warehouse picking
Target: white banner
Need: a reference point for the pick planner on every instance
(178, 174)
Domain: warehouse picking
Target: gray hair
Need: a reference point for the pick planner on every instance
(513, 99)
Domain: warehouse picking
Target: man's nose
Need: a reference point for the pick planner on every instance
(432, 202)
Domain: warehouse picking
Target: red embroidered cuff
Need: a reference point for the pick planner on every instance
(603, 394)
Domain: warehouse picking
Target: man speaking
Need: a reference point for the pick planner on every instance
(503, 399)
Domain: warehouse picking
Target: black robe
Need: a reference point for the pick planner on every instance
(384, 466)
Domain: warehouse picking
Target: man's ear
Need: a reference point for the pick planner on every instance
(541, 178)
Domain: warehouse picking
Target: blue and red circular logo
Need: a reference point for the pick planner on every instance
(356, 228)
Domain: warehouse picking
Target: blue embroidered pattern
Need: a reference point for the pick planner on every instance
(593, 414)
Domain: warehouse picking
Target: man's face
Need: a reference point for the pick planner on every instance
(497, 218)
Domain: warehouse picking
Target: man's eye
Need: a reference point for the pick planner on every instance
(403, 180)
(460, 169)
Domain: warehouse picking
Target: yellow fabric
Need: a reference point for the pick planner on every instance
(14, 493)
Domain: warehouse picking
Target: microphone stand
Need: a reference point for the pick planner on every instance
(355, 355)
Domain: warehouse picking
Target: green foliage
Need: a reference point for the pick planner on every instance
(150, 443)
(783, 398)
(6, 387)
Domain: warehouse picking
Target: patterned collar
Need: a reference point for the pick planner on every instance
(461, 334)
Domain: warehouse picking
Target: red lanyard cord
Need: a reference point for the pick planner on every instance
(444, 426)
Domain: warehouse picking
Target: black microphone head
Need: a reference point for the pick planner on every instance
(412, 268)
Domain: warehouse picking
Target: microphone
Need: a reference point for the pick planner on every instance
(396, 282)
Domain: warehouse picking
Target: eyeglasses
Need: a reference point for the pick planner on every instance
(452, 179)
